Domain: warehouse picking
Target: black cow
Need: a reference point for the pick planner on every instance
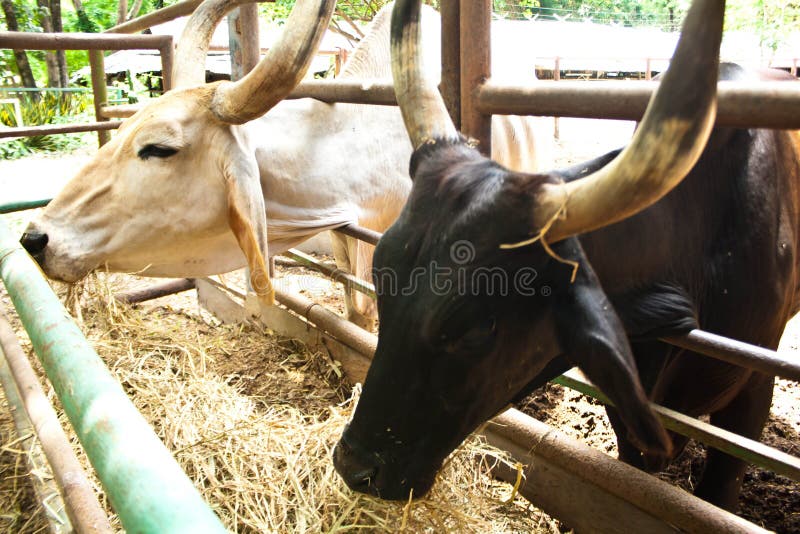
(468, 325)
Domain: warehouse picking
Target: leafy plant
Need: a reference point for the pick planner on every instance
(51, 108)
(14, 149)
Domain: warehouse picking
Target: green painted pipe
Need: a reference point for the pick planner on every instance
(146, 486)
(750, 451)
(23, 205)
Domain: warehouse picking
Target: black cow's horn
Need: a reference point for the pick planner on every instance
(666, 145)
(273, 78)
(423, 109)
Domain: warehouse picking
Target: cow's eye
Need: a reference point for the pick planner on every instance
(156, 151)
(476, 338)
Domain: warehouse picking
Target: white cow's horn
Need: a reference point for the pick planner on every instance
(273, 78)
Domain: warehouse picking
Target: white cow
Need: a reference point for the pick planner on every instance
(198, 182)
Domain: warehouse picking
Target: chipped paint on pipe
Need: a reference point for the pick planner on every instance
(146, 486)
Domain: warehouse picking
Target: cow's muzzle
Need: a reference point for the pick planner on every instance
(35, 243)
(377, 475)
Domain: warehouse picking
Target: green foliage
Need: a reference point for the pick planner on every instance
(771, 20)
(52, 108)
(14, 149)
(357, 10)
(663, 13)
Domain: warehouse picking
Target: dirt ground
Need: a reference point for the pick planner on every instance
(768, 500)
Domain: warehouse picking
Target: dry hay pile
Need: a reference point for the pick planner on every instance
(253, 420)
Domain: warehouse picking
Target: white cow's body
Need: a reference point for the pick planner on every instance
(320, 166)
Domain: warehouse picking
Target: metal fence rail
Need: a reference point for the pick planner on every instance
(752, 104)
(713, 345)
(148, 489)
(729, 350)
(472, 101)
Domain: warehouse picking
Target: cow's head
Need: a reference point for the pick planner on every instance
(177, 191)
(474, 309)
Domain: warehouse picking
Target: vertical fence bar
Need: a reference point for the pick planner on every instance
(451, 59)
(476, 17)
(145, 485)
(243, 39)
(556, 77)
(99, 91)
(167, 63)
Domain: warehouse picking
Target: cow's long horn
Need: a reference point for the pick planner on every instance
(423, 109)
(192, 47)
(281, 70)
(666, 145)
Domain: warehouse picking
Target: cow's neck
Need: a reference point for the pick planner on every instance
(372, 58)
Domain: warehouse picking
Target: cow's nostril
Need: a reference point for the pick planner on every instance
(361, 480)
(34, 242)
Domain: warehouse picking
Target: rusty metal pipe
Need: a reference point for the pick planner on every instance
(145, 484)
(359, 91)
(327, 321)
(476, 68)
(359, 232)
(729, 350)
(30, 131)
(740, 104)
(539, 447)
(83, 509)
(738, 353)
(82, 41)
(533, 442)
(155, 291)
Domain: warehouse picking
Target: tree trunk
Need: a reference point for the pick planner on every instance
(84, 23)
(61, 57)
(20, 57)
(46, 22)
(122, 11)
(134, 12)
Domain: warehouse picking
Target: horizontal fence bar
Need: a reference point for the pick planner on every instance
(740, 104)
(162, 289)
(145, 485)
(743, 354)
(738, 353)
(122, 111)
(349, 281)
(346, 332)
(165, 14)
(534, 443)
(755, 105)
(82, 506)
(357, 91)
(542, 448)
(46, 129)
(82, 41)
(23, 205)
(45, 90)
(359, 232)
(729, 350)
(735, 445)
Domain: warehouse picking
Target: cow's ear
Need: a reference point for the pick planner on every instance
(247, 218)
(593, 338)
